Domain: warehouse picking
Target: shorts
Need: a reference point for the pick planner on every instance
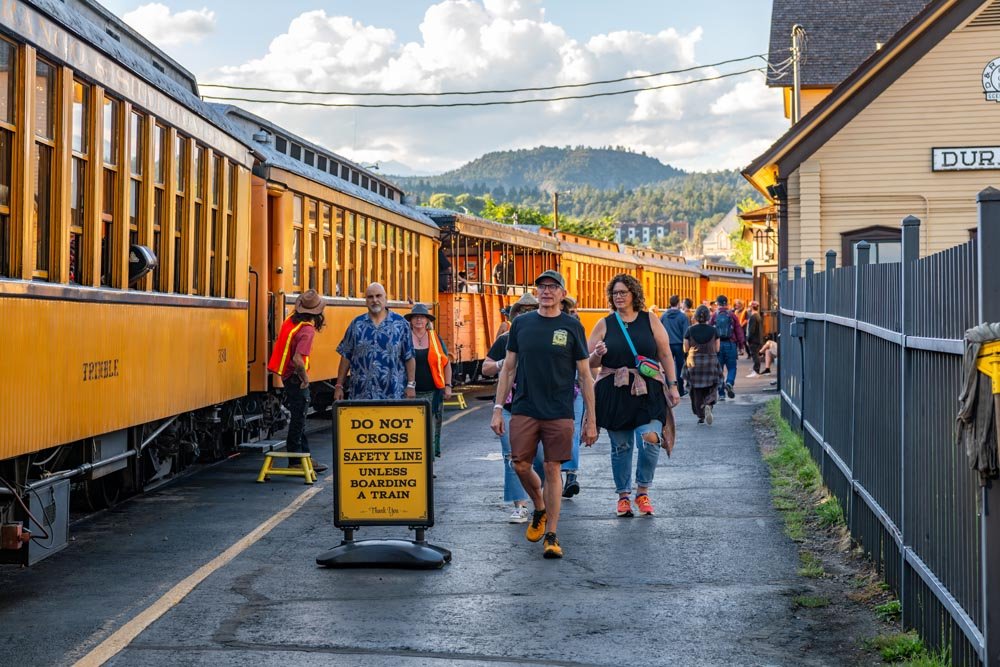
(556, 436)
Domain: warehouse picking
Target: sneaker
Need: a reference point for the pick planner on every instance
(643, 503)
(752, 374)
(722, 397)
(536, 529)
(766, 371)
(729, 391)
(572, 486)
(624, 507)
(519, 515)
(708, 415)
(701, 420)
(551, 546)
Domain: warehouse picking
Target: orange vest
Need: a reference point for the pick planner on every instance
(437, 359)
(281, 355)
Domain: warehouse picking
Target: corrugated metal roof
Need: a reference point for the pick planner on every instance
(840, 35)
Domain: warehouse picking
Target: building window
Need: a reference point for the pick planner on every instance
(886, 245)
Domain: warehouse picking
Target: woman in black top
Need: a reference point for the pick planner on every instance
(433, 374)
(632, 408)
(701, 345)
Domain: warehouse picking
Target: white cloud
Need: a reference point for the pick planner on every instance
(497, 44)
(156, 22)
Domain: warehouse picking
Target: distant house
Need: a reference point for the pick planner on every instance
(718, 242)
(646, 231)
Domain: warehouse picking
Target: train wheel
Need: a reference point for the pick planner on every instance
(103, 492)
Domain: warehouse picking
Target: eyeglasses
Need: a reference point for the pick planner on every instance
(547, 287)
(620, 293)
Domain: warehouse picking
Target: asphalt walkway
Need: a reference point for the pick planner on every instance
(707, 581)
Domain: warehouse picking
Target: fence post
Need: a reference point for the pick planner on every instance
(989, 311)
(910, 254)
(864, 254)
(800, 305)
(831, 264)
(782, 288)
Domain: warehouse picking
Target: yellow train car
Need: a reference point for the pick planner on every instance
(325, 223)
(124, 242)
(664, 275)
(588, 265)
(483, 267)
(733, 281)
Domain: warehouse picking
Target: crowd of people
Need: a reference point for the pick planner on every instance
(556, 386)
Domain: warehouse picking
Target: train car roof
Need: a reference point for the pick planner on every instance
(471, 225)
(104, 32)
(601, 253)
(247, 125)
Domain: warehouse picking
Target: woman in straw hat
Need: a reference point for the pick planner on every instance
(433, 374)
(290, 360)
(513, 491)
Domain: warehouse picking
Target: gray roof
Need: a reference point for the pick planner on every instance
(244, 125)
(840, 35)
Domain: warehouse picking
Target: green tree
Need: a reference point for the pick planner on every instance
(442, 200)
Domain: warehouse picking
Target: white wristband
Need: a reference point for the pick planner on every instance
(498, 407)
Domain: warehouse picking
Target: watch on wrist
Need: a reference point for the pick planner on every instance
(671, 383)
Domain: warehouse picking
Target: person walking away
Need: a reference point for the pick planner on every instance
(377, 349)
(433, 368)
(701, 347)
(689, 309)
(546, 350)
(290, 360)
(755, 337)
(731, 339)
(676, 322)
(635, 390)
(513, 490)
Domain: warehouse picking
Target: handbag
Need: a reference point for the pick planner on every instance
(647, 367)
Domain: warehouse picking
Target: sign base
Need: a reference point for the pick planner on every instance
(403, 554)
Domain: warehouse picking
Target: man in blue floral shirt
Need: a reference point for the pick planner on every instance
(378, 350)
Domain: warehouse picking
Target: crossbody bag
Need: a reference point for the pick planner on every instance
(647, 367)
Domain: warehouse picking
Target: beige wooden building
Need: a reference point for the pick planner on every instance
(913, 130)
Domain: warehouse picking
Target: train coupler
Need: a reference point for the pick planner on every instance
(13, 536)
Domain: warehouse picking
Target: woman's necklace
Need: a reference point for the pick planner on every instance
(420, 343)
(628, 322)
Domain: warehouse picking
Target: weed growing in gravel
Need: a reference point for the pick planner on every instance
(899, 646)
(811, 601)
(812, 567)
(889, 611)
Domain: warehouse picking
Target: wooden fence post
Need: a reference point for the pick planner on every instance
(910, 254)
(989, 311)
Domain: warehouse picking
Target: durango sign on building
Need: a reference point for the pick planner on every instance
(913, 130)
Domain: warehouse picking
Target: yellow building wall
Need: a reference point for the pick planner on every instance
(877, 169)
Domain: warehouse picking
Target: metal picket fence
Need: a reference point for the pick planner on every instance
(870, 374)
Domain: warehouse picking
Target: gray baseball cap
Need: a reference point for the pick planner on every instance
(554, 275)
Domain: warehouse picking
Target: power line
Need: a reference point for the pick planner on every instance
(347, 105)
(481, 92)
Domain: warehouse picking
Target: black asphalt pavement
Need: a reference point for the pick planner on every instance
(707, 581)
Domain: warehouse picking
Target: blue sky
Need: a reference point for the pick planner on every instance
(400, 45)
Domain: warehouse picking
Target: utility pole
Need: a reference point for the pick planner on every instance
(555, 211)
(798, 39)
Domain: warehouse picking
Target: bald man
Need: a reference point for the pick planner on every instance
(378, 351)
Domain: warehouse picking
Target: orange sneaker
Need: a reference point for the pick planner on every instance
(536, 529)
(625, 507)
(645, 507)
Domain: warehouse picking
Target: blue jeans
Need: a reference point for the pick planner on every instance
(622, 444)
(727, 358)
(513, 490)
(574, 463)
(677, 350)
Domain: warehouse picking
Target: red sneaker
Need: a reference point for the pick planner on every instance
(625, 507)
(645, 507)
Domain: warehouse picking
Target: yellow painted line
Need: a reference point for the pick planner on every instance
(114, 644)
(462, 414)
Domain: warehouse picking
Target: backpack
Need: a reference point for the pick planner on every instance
(724, 324)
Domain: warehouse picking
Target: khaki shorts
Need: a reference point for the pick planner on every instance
(556, 436)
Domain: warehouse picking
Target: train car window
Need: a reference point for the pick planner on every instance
(296, 152)
(136, 158)
(159, 138)
(281, 145)
(313, 235)
(109, 191)
(45, 115)
(296, 240)
(414, 252)
(309, 157)
(229, 248)
(321, 163)
(363, 244)
(345, 172)
(8, 79)
(198, 175)
(78, 181)
(214, 228)
(338, 214)
(329, 259)
(356, 178)
(352, 254)
(180, 210)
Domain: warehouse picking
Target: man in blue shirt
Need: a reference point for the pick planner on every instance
(378, 350)
(676, 322)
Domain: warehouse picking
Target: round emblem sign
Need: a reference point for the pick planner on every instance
(991, 80)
